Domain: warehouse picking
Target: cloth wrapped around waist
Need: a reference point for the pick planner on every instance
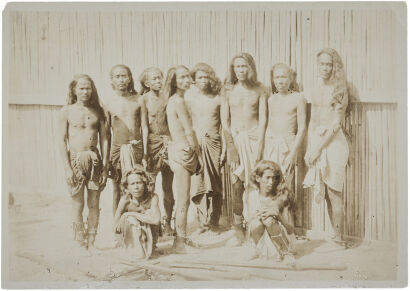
(124, 157)
(137, 234)
(209, 181)
(183, 154)
(158, 152)
(246, 143)
(87, 168)
(330, 167)
(268, 246)
(277, 149)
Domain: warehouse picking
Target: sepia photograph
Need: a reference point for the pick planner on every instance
(204, 145)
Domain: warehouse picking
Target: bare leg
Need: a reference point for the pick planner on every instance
(278, 238)
(256, 229)
(216, 206)
(78, 206)
(238, 189)
(336, 213)
(182, 185)
(93, 203)
(167, 178)
(77, 216)
(116, 196)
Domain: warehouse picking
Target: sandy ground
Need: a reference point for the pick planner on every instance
(41, 250)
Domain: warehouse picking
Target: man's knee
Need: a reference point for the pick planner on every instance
(336, 200)
(272, 226)
(132, 220)
(255, 226)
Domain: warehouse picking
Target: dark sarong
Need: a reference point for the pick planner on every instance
(124, 157)
(158, 152)
(208, 185)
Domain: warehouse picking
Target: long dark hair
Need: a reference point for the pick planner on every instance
(231, 78)
(215, 82)
(130, 87)
(337, 78)
(282, 188)
(144, 77)
(94, 100)
(170, 87)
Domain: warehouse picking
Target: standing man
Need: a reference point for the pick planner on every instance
(151, 81)
(328, 150)
(82, 126)
(244, 123)
(183, 149)
(127, 116)
(204, 103)
(286, 126)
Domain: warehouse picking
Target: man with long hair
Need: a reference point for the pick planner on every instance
(286, 123)
(127, 116)
(328, 149)
(244, 123)
(183, 150)
(138, 216)
(151, 81)
(269, 229)
(204, 103)
(82, 126)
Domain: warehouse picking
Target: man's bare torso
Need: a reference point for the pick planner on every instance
(244, 108)
(322, 111)
(125, 115)
(154, 104)
(282, 115)
(205, 112)
(174, 124)
(83, 127)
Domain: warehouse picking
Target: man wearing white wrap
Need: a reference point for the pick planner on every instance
(244, 124)
(328, 150)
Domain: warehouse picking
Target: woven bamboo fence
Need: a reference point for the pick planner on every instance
(46, 48)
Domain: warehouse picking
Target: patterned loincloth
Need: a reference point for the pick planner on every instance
(87, 168)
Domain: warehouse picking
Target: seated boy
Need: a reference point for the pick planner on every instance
(138, 215)
(268, 225)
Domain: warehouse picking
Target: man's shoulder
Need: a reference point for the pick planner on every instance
(65, 108)
(262, 90)
(154, 196)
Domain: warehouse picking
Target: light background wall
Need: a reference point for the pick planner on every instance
(47, 46)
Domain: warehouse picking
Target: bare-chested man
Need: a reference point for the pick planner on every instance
(82, 125)
(204, 103)
(127, 116)
(183, 149)
(328, 150)
(151, 81)
(286, 124)
(244, 123)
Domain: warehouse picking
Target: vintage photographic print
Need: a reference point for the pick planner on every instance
(204, 145)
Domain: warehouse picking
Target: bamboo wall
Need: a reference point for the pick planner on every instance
(48, 47)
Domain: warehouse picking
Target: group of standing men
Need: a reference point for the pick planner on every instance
(188, 132)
